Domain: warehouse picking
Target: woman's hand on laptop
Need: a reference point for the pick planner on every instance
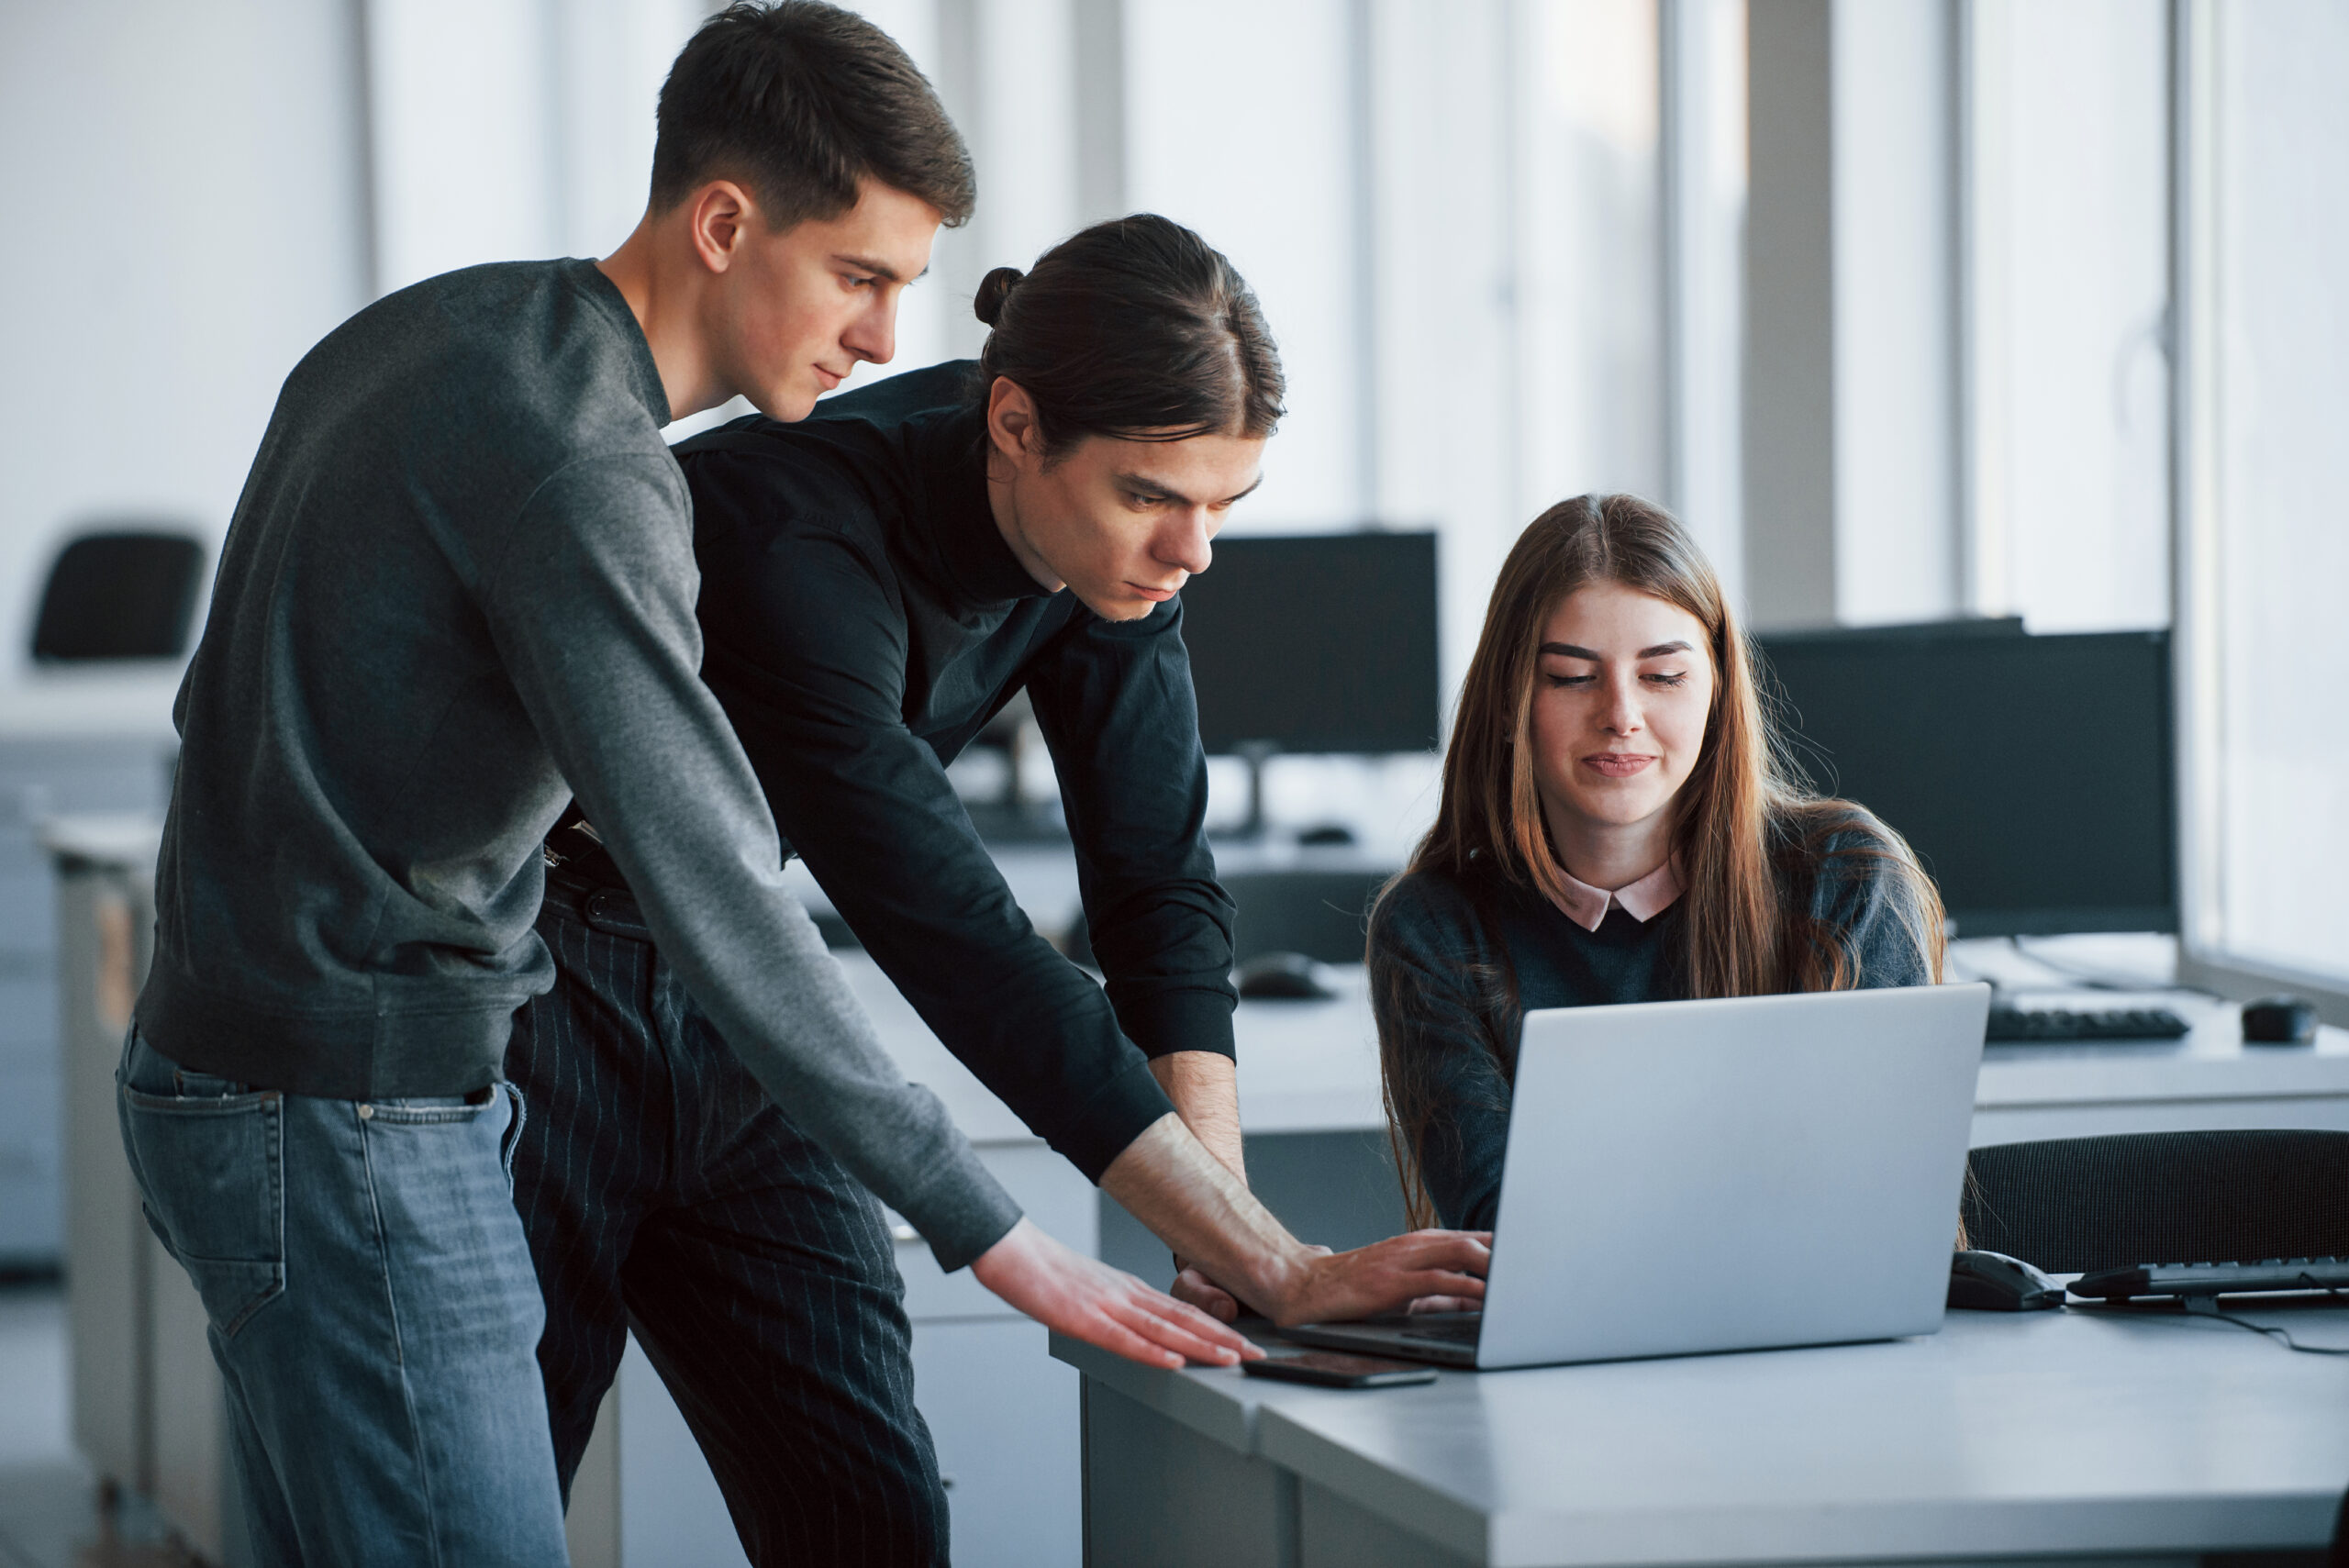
(1086, 1299)
(1387, 1276)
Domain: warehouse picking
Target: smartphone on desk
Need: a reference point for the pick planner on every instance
(1328, 1369)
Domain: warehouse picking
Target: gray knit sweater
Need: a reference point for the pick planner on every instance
(460, 587)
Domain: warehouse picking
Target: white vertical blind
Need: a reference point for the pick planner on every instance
(1591, 415)
(1238, 124)
(1703, 177)
(2282, 536)
(2069, 283)
(1517, 313)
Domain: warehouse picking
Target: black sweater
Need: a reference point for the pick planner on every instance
(1442, 955)
(864, 620)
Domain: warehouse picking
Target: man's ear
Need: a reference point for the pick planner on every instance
(717, 217)
(1011, 421)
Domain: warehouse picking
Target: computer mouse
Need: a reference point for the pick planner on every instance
(2279, 1020)
(1283, 977)
(1992, 1282)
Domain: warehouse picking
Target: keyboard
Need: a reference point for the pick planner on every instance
(2050, 1026)
(1444, 1327)
(2215, 1279)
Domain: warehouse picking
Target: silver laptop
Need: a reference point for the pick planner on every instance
(1719, 1176)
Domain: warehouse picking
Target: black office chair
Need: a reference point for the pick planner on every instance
(2072, 1205)
(120, 594)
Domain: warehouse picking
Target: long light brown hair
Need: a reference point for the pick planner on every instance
(1745, 828)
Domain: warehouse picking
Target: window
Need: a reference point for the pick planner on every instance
(2069, 299)
(2266, 542)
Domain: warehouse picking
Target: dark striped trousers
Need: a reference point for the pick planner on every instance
(663, 1191)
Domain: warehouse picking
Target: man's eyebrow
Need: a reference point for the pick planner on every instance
(879, 269)
(1151, 486)
(1569, 651)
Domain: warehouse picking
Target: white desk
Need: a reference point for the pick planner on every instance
(1313, 1067)
(2029, 1436)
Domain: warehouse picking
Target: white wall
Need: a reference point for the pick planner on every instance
(184, 222)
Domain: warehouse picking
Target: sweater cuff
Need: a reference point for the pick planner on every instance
(962, 1211)
(1170, 1021)
(1120, 1111)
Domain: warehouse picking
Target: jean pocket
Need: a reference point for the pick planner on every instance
(425, 1109)
(211, 1171)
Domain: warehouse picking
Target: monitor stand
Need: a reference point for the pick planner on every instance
(1255, 753)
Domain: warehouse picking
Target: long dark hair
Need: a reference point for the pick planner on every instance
(1746, 830)
(1136, 329)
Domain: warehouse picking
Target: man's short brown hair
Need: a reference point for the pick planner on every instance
(800, 101)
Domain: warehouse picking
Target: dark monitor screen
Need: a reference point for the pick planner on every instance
(2031, 774)
(1316, 643)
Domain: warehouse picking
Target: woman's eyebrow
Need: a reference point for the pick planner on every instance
(1570, 651)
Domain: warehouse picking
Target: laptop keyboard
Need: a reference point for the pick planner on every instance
(1447, 1329)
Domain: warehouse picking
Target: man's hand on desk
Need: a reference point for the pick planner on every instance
(1086, 1299)
(1192, 1201)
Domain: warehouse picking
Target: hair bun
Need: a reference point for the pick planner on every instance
(994, 289)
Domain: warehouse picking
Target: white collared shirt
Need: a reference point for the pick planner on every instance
(1642, 900)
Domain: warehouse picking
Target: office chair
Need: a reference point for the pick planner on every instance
(122, 595)
(2072, 1205)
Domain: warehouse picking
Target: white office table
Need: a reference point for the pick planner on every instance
(2003, 1438)
(1313, 1067)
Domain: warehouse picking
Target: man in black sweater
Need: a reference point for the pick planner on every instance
(878, 581)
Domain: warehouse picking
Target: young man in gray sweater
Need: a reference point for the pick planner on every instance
(459, 588)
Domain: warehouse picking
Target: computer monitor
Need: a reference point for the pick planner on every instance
(1316, 643)
(2031, 774)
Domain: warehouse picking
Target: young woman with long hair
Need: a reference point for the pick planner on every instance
(1617, 825)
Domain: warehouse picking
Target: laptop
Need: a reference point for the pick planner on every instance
(1727, 1175)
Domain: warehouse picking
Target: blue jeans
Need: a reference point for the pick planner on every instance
(374, 1313)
